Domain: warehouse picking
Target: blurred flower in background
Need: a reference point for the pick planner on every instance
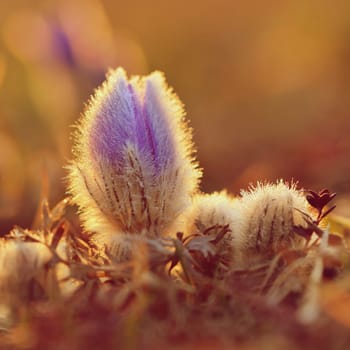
(265, 85)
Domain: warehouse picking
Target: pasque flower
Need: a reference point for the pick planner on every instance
(268, 215)
(211, 220)
(133, 170)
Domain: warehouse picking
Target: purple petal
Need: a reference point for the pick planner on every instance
(157, 123)
(114, 124)
(136, 114)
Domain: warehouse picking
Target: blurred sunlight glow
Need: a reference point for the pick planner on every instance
(265, 84)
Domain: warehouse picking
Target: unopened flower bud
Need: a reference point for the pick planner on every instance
(268, 214)
(214, 216)
(211, 211)
(133, 170)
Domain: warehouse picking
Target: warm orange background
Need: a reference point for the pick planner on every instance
(266, 86)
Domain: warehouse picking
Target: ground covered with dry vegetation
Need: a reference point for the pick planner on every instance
(60, 291)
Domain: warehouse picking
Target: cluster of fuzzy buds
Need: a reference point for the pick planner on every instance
(133, 171)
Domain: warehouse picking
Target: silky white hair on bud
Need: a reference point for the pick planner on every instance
(133, 170)
(214, 215)
(268, 213)
(212, 210)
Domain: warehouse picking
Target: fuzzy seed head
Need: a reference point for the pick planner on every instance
(268, 214)
(133, 170)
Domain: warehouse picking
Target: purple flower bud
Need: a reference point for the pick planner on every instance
(133, 170)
